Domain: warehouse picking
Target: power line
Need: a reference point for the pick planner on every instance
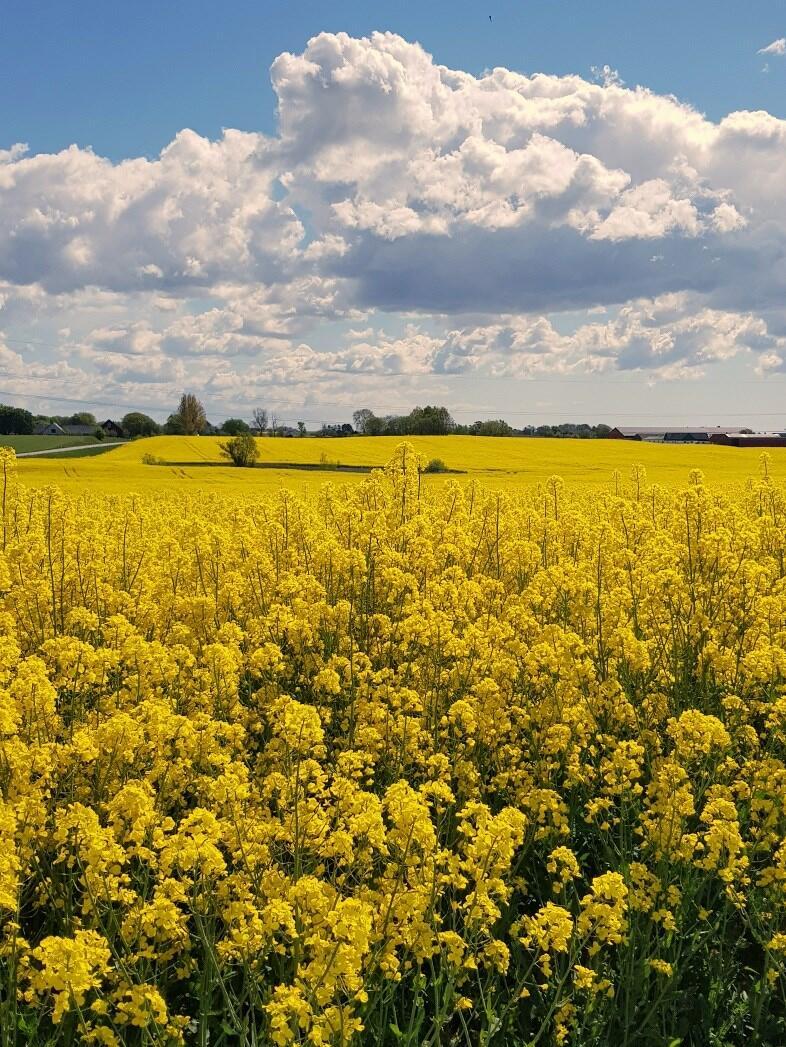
(287, 402)
(469, 410)
(236, 402)
(210, 396)
(558, 379)
(68, 400)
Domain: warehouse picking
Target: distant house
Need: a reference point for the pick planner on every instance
(113, 429)
(684, 434)
(79, 430)
(55, 429)
(49, 429)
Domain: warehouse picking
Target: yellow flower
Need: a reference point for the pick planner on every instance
(141, 1006)
(563, 865)
(67, 969)
(697, 735)
(661, 967)
(603, 917)
(550, 929)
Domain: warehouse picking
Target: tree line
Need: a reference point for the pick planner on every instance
(438, 421)
(190, 419)
(17, 421)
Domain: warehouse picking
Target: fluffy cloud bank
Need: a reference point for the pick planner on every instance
(482, 205)
(201, 213)
(508, 192)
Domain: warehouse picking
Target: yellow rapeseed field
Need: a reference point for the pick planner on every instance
(500, 462)
(404, 761)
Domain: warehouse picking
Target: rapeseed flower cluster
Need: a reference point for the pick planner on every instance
(393, 767)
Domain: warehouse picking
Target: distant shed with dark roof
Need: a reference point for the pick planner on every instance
(112, 428)
(671, 433)
(751, 440)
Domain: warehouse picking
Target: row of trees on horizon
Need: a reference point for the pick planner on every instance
(190, 419)
(431, 420)
(438, 421)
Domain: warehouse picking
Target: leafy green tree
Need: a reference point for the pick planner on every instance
(367, 423)
(490, 427)
(77, 418)
(361, 418)
(242, 450)
(15, 421)
(235, 426)
(429, 421)
(424, 421)
(174, 426)
(82, 418)
(192, 414)
(137, 424)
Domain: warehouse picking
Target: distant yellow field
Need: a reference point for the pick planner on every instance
(194, 462)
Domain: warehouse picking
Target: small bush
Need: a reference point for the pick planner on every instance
(99, 433)
(152, 459)
(328, 463)
(436, 465)
(242, 450)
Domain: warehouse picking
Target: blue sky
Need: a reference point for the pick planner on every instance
(126, 77)
(413, 227)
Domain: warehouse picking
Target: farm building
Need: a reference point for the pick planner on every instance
(55, 429)
(112, 428)
(750, 439)
(672, 433)
(79, 430)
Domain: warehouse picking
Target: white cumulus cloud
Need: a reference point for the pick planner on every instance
(471, 209)
(777, 47)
